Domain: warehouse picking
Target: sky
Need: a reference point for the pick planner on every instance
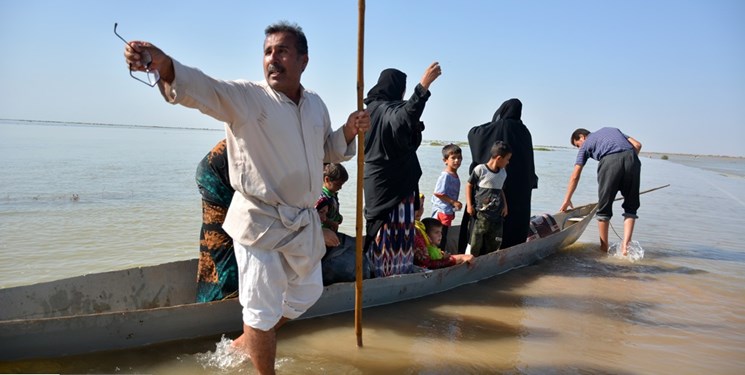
(671, 74)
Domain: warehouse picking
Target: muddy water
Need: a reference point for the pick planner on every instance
(679, 310)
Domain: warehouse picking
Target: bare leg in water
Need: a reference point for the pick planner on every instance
(261, 346)
(628, 231)
(603, 229)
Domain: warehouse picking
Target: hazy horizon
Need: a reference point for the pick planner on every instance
(428, 141)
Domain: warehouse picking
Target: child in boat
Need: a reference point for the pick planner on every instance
(322, 206)
(426, 253)
(486, 201)
(339, 262)
(447, 190)
(334, 177)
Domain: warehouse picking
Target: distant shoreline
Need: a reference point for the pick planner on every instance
(672, 156)
(725, 165)
(678, 156)
(101, 124)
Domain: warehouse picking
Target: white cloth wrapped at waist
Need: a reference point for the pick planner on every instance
(293, 231)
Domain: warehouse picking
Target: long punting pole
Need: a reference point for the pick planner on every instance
(360, 174)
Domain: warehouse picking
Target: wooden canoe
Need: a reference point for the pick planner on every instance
(155, 304)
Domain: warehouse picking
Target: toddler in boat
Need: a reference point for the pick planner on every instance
(428, 234)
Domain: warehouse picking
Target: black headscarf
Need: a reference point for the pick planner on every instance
(391, 86)
(506, 126)
(510, 109)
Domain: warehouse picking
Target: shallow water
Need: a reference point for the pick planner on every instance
(679, 309)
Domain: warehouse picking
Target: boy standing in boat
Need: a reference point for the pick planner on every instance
(619, 169)
(486, 202)
(447, 190)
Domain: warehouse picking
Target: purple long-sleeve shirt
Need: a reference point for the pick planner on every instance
(602, 142)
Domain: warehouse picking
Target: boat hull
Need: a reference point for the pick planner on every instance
(148, 305)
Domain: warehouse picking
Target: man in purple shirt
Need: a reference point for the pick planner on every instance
(619, 169)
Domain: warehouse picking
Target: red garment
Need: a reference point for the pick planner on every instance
(445, 219)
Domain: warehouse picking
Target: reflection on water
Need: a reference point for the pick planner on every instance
(679, 309)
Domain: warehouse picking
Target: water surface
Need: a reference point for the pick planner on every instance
(76, 200)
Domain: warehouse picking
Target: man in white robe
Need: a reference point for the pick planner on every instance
(278, 136)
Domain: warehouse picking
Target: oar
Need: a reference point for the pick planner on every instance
(360, 174)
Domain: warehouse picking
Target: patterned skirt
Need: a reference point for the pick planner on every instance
(217, 273)
(391, 252)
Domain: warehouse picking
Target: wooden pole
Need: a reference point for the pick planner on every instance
(360, 175)
(646, 191)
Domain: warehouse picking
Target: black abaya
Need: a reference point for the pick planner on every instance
(507, 126)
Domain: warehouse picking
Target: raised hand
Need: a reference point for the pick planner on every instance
(144, 56)
(431, 74)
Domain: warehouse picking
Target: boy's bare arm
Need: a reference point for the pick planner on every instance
(469, 201)
(453, 202)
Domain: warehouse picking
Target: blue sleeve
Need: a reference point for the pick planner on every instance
(582, 155)
(440, 185)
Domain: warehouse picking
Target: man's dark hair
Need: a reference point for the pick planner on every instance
(451, 149)
(335, 172)
(500, 148)
(577, 133)
(301, 43)
(430, 222)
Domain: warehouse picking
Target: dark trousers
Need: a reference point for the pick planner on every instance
(464, 235)
(619, 172)
(486, 236)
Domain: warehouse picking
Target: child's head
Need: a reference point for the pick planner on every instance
(433, 227)
(501, 153)
(452, 155)
(334, 176)
(418, 213)
(322, 206)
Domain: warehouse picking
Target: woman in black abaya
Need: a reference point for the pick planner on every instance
(507, 126)
(392, 169)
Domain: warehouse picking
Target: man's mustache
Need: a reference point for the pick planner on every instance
(275, 68)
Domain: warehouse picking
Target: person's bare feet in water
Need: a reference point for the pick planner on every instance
(628, 229)
(239, 344)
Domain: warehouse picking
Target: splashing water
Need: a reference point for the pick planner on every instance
(224, 358)
(635, 251)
